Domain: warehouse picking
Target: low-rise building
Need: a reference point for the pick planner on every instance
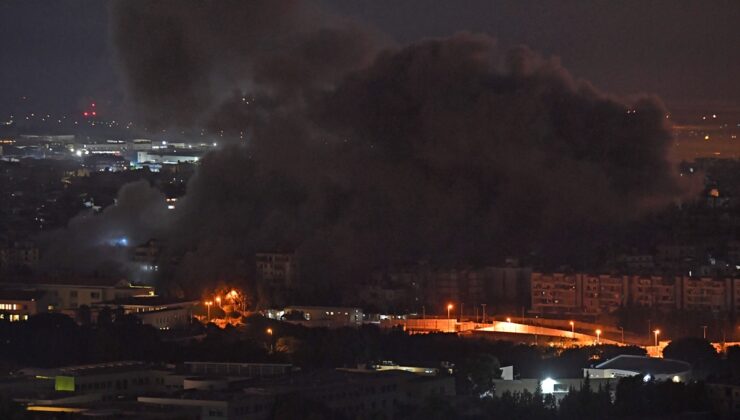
(657, 368)
(69, 297)
(321, 316)
(156, 311)
(18, 305)
(86, 384)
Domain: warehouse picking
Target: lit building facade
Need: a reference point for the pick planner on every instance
(62, 297)
(587, 294)
(556, 293)
(16, 305)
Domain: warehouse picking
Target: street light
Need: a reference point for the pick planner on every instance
(622, 330)
(572, 329)
(508, 320)
(598, 336)
(218, 301)
(208, 305)
(449, 321)
(269, 332)
(656, 332)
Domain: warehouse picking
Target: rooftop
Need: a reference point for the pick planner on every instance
(644, 364)
(147, 300)
(20, 295)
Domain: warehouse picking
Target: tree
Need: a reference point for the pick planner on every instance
(10, 410)
(733, 362)
(84, 315)
(105, 316)
(119, 313)
(476, 374)
(697, 351)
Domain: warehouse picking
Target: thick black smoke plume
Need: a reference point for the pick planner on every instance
(99, 244)
(359, 157)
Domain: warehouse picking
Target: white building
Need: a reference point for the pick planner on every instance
(624, 366)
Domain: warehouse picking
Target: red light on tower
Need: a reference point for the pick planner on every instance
(90, 112)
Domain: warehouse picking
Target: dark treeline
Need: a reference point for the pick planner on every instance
(50, 340)
(634, 399)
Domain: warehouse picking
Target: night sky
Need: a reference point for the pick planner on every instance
(57, 53)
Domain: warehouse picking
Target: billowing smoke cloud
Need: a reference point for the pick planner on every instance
(100, 243)
(451, 150)
(184, 57)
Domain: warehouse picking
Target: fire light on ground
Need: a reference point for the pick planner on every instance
(224, 307)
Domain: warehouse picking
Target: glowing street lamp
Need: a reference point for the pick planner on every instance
(598, 336)
(572, 329)
(269, 332)
(656, 332)
(449, 321)
(208, 305)
(218, 301)
(508, 320)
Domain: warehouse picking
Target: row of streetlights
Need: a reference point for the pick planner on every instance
(233, 296)
(572, 324)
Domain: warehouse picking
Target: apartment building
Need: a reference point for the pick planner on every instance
(276, 269)
(653, 291)
(556, 293)
(602, 293)
(588, 294)
(704, 294)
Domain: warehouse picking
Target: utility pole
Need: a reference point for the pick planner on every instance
(704, 331)
(484, 312)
